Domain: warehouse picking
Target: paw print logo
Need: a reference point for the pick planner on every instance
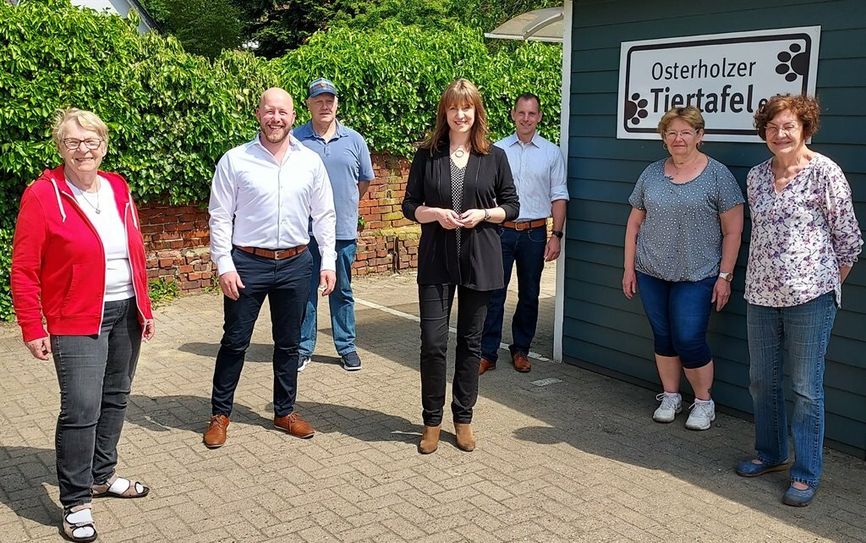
(793, 63)
(635, 109)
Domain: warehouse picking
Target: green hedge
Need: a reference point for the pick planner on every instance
(171, 114)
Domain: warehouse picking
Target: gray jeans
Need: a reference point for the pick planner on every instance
(95, 375)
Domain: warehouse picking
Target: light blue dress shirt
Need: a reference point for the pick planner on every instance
(539, 174)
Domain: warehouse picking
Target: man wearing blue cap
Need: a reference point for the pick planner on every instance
(347, 161)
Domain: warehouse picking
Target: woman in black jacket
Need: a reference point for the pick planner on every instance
(460, 187)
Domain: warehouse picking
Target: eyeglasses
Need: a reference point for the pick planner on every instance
(788, 128)
(73, 144)
(685, 134)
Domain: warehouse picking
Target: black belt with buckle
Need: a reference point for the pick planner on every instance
(274, 254)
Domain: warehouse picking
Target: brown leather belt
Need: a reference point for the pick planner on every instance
(279, 254)
(525, 225)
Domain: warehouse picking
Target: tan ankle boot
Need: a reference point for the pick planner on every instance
(429, 439)
(465, 437)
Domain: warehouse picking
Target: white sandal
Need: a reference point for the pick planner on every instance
(82, 530)
(118, 487)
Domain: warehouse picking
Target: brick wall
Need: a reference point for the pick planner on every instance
(176, 237)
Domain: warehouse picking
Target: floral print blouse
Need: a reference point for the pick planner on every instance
(800, 236)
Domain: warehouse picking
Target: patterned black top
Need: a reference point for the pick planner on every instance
(457, 176)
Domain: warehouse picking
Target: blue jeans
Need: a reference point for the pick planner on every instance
(285, 283)
(95, 376)
(679, 313)
(341, 301)
(798, 335)
(526, 248)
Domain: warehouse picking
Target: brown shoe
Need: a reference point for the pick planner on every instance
(486, 365)
(429, 439)
(521, 363)
(294, 425)
(215, 435)
(465, 437)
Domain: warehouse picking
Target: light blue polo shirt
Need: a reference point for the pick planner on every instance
(347, 160)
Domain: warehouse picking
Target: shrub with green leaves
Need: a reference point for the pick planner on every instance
(390, 80)
(171, 114)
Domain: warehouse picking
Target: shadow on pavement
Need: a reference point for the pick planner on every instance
(612, 419)
(182, 412)
(359, 423)
(24, 474)
(256, 353)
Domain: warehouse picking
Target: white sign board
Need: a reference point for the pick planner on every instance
(727, 76)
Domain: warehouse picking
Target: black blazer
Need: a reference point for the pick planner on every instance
(488, 184)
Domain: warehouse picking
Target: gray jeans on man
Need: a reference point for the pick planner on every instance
(95, 375)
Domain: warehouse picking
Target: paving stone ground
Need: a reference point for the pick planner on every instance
(576, 460)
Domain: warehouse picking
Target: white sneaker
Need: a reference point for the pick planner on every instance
(303, 365)
(671, 405)
(703, 413)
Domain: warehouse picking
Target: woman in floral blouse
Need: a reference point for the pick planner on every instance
(805, 239)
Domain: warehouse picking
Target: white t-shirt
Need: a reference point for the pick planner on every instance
(102, 211)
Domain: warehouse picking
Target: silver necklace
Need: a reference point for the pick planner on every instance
(96, 208)
(459, 152)
(685, 167)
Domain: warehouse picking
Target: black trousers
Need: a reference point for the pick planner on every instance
(435, 304)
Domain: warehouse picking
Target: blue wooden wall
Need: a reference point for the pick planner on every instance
(602, 329)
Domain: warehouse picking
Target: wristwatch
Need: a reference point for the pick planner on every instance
(486, 215)
(727, 276)
(557, 233)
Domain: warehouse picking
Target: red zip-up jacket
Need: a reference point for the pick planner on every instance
(58, 261)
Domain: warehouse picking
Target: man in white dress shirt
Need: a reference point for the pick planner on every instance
(539, 176)
(264, 192)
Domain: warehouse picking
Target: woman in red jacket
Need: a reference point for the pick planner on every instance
(78, 260)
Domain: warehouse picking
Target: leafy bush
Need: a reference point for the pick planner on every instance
(171, 114)
(162, 291)
(390, 80)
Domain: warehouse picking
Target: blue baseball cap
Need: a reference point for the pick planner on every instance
(321, 86)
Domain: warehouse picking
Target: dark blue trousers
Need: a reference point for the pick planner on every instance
(526, 249)
(286, 284)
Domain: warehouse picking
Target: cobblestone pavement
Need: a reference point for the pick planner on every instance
(576, 459)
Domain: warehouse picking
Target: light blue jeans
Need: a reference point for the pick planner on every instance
(798, 335)
(341, 301)
(95, 376)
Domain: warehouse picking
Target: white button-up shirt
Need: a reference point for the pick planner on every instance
(539, 174)
(257, 202)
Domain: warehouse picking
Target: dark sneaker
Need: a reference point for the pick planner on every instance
(351, 361)
(303, 361)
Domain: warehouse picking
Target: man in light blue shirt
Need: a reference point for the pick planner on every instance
(539, 176)
(347, 160)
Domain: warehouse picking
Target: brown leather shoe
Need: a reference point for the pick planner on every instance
(486, 365)
(521, 362)
(465, 437)
(294, 425)
(215, 435)
(429, 439)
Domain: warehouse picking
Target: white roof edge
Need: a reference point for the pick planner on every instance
(544, 24)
